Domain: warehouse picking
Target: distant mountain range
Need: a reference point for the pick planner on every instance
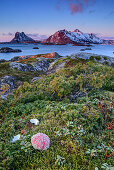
(75, 37)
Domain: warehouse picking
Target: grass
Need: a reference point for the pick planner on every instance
(20, 75)
(78, 130)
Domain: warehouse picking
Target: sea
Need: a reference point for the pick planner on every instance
(63, 50)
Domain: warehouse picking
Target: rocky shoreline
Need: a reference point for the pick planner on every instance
(44, 64)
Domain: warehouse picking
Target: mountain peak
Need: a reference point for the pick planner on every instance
(21, 37)
(73, 37)
(78, 31)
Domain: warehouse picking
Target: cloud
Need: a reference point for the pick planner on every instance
(8, 34)
(76, 6)
(108, 38)
(36, 36)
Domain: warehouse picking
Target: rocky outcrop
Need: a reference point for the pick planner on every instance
(41, 65)
(99, 58)
(9, 50)
(7, 80)
(21, 67)
(21, 37)
(72, 37)
(18, 58)
(51, 55)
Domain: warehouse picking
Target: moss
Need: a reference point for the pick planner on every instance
(22, 76)
(98, 58)
(92, 58)
(106, 63)
(105, 58)
(73, 127)
(95, 57)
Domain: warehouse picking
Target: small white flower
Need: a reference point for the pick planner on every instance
(35, 121)
(15, 138)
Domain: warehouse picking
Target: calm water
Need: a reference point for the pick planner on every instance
(60, 49)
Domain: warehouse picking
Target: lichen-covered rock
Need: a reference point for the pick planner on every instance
(41, 65)
(4, 81)
(99, 58)
(8, 80)
(21, 67)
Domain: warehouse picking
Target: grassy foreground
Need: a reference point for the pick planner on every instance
(80, 128)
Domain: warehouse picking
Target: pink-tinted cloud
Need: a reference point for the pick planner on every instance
(77, 6)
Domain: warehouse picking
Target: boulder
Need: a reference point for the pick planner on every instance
(41, 65)
(9, 50)
(51, 55)
(35, 78)
(21, 67)
(7, 80)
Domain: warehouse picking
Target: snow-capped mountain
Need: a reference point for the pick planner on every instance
(21, 37)
(73, 37)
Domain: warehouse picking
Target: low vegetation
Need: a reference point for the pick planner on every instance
(79, 127)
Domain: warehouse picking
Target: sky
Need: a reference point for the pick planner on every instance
(42, 18)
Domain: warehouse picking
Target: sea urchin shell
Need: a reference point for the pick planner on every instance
(40, 141)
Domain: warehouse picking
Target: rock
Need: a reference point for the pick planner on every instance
(34, 121)
(18, 58)
(35, 48)
(15, 138)
(41, 65)
(103, 59)
(38, 66)
(21, 67)
(51, 55)
(7, 80)
(35, 78)
(9, 50)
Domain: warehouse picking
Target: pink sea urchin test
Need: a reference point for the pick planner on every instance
(40, 141)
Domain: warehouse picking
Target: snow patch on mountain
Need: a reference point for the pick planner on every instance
(76, 36)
